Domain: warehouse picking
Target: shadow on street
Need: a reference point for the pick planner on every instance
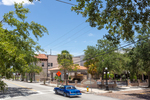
(144, 95)
(67, 96)
(14, 92)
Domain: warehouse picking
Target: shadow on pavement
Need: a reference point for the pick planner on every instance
(144, 95)
(67, 96)
(14, 92)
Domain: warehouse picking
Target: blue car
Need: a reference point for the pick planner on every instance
(67, 90)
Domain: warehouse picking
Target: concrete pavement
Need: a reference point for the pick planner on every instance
(34, 91)
(98, 91)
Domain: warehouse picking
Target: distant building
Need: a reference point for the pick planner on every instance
(51, 67)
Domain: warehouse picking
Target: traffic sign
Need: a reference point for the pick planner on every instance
(58, 73)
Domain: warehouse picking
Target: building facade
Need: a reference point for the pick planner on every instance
(51, 67)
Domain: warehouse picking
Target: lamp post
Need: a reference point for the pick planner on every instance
(106, 78)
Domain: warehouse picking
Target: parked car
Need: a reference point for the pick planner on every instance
(67, 90)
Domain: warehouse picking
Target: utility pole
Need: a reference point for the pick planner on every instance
(50, 51)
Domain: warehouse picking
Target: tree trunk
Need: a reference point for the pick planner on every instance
(149, 79)
(114, 76)
(65, 79)
(103, 75)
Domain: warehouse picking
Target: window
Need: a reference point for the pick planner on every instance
(70, 87)
(51, 64)
(61, 87)
(42, 64)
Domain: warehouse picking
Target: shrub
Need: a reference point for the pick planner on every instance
(69, 77)
(57, 78)
(109, 76)
(3, 85)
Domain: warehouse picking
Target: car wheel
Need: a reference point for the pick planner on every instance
(56, 92)
(68, 94)
(65, 95)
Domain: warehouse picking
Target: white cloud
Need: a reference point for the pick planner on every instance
(11, 2)
(84, 41)
(90, 34)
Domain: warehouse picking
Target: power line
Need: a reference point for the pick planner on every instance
(114, 49)
(65, 2)
(63, 35)
(72, 39)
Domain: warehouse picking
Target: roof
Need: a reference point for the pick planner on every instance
(79, 68)
(41, 56)
(82, 68)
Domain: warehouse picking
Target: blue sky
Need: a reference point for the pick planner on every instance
(67, 30)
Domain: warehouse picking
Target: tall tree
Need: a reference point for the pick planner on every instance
(122, 18)
(91, 60)
(17, 48)
(66, 63)
(104, 55)
(143, 48)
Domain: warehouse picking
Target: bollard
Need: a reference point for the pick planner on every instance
(87, 89)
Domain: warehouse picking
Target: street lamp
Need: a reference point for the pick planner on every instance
(106, 71)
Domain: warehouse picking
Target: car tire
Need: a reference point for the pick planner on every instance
(65, 95)
(56, 92)
(68, 95)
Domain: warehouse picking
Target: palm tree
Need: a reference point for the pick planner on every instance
(65, 61)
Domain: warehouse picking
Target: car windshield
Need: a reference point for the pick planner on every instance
(70, 87)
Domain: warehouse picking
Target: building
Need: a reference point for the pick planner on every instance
(80, 74)
(51, 67)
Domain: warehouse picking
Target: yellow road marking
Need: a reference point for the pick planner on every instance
(22, 86)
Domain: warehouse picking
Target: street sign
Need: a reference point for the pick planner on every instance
(58, 73)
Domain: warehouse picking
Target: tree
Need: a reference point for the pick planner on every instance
(135, 63)
(91, 60)
(17, 48)
(66, 63)
(143, 48)
(122, 18)
(101, 56)
(33, 69)
(44, 74)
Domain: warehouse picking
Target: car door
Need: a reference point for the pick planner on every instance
(62, 90)
(59, 90)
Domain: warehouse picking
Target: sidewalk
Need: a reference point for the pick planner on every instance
(98, 91)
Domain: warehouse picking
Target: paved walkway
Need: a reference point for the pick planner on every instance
(98, 91)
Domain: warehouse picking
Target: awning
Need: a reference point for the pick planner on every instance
(79, 68)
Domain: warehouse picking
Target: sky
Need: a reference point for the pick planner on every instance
(67, 30)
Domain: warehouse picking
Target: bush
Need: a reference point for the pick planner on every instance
(57, 78)
(3, 85)
(133, 77)
(31, 80)
(69, 77)
(109, 76)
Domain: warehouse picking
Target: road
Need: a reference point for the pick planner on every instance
(34, 91)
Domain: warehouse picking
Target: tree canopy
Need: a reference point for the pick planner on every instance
(122, 18)
(17, 48)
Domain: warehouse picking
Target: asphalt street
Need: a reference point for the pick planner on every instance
(34, 91)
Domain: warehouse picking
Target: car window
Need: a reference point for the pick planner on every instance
(61, 87)
(70, 87)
